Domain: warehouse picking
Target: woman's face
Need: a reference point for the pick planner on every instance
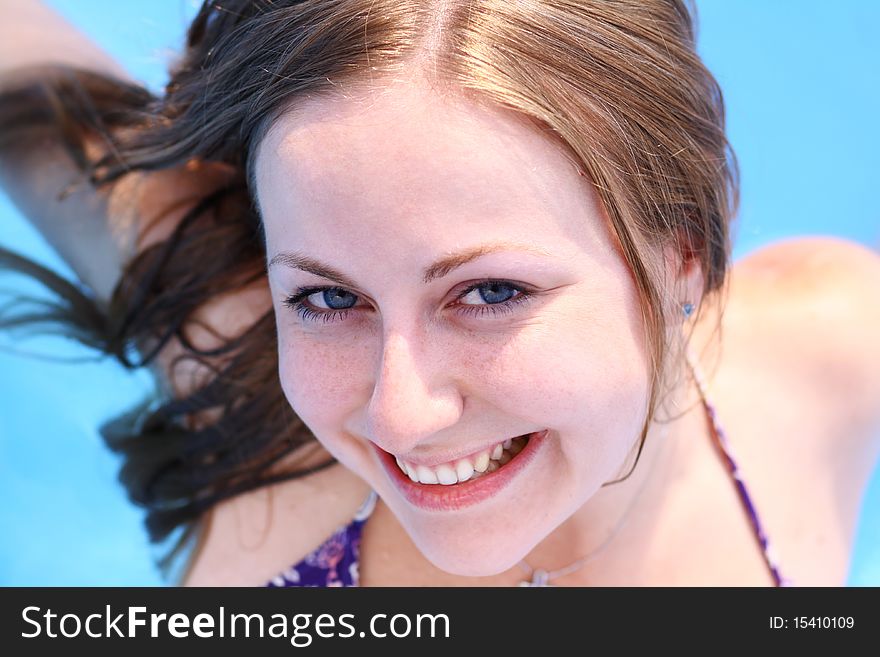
(386, 353)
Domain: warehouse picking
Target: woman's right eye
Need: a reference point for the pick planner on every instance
(331, 296)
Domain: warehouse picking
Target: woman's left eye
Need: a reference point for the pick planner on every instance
(496, 294)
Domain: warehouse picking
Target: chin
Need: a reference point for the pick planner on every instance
(481, 558)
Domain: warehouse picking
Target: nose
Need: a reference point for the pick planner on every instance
(414, 397)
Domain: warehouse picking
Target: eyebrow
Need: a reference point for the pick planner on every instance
(442, 267)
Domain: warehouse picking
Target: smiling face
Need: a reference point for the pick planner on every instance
(431, 364)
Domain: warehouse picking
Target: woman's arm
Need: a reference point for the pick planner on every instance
(32, 33)
(36, 166)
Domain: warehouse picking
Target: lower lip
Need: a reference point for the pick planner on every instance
(453, 497)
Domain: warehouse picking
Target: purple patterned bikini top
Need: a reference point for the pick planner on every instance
(335, 561)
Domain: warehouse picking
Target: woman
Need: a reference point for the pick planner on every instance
(506, 348)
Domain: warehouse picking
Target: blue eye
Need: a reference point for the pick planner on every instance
(493, 292)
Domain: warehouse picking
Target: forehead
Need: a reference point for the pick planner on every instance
(403, 154)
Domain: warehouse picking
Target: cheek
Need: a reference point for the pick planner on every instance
(318, 379)
(581, 374)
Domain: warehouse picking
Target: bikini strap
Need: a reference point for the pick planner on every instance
(719, 439)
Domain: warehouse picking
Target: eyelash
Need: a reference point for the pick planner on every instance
(308, 314)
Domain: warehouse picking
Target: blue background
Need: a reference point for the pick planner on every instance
(800, 80)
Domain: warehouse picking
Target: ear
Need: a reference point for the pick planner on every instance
(686, 280)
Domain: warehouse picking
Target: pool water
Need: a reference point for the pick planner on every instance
(800, 119)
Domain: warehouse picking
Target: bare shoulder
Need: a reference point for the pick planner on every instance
(798, 388)
(819, 301)
(818, 264)
(247, 540)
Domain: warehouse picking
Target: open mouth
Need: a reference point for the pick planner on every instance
(466, 469)
(466, 482)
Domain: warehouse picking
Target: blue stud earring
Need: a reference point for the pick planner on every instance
(687, 309)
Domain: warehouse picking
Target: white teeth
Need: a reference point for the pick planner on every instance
(464, 470)
(426, 475)
(446, 475)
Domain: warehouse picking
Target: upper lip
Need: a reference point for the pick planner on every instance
(440, 459)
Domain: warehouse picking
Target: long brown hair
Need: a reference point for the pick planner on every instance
(618, 83)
